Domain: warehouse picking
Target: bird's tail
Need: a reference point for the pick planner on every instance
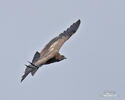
(32, 68)
(28, 70)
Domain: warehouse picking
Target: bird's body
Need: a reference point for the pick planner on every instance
(52, 60)
(50, 53)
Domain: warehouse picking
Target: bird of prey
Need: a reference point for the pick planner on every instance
(50, 53)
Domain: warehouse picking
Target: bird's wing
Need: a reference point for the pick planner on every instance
(36, 57)
(57, 42)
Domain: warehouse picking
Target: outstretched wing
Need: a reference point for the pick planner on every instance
(57, 42)
(36, 57)
(51, 49)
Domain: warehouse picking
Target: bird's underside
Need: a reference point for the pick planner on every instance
(50, 53)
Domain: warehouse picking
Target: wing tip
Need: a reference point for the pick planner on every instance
(22, 79)
(75, 25)
(78, 22)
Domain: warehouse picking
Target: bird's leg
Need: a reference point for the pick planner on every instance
(32, 64)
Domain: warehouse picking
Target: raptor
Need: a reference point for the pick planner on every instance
(50, 53)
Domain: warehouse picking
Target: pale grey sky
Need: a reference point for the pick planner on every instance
(96, 53)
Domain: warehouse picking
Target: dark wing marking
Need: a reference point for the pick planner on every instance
(36, 57)
(71, 30)
(59, 40)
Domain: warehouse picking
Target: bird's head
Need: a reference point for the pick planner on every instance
(63, 57)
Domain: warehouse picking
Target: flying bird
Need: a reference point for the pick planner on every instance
(50, 53)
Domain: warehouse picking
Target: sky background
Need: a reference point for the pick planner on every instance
(96, 53)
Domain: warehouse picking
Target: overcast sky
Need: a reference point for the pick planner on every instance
(96, 53)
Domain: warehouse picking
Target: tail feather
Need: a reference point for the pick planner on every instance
(27, 71)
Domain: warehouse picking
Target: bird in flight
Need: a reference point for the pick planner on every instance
(50, 53)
